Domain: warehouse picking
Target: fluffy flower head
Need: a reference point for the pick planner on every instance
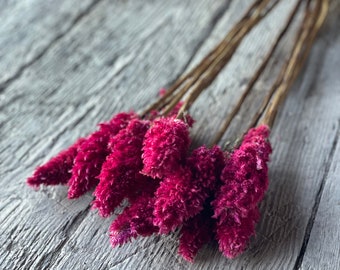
(165, 147)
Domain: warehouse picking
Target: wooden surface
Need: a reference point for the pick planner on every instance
(65, 67)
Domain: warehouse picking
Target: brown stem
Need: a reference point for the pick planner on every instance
(279, 78)
(304, 41)
(217, 65)
(256, 76)
(256, 9)
(299, 55)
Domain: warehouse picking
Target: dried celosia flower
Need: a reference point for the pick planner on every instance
(233, 236)
(195, 233)
(135, 220)
(245, 179)
(206, 165)
(173, 200)
(182, 194)
(165, 147)
(58, 169)
(120, 177)
(92, 154)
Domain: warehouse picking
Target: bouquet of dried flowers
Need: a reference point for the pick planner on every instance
(208, 193)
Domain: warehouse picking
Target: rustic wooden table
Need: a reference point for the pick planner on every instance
(65, 66)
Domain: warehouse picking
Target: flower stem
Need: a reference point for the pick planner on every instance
(305, 37)
(310, 27)
(223, 58)
(256, 76)
(189, 79)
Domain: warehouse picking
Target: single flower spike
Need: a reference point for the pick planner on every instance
(245, 179)
(135, 220)
(119, 176)
(173, 203)
(182, 194)
(195, 233)
(165, 147)
(57, 170)
(233, 236)
(206, 165)
(92, 154)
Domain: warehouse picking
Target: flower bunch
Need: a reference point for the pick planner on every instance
(206, 193)
(149, 163)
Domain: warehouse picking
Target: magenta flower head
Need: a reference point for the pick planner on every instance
(245, 179)
(135, 220)
(165, 147)
(120, 177)
(206, 165)
(233, 236)
(92, 154)
(195, 233)
(182, 194)
(58, 169)
(173, 202)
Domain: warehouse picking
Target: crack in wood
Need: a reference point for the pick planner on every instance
(315, 208)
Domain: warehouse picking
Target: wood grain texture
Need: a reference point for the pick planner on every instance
(107, 56)
(29, 28)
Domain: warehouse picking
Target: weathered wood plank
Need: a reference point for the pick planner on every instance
(29, 28)
(99, 68)
(322, 249)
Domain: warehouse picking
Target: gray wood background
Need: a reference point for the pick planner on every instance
(66, 65)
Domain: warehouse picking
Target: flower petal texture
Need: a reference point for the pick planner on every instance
(135, 220)
(58, 169)
(196, 232)
(165, 147)
(245, 179)
(182, 194)
(120, 174)
(92, 154)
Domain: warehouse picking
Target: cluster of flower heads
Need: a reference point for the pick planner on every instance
(206, 194)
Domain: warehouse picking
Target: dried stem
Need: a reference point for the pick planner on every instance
(256, 8)
(216, 66)
(256, 76)
(301, 50)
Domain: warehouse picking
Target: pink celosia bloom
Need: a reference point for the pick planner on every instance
(206, 165)
(195, 233)
(165, 147)
(233, 236)
(182, 194)
(173, 200)
(58, 169)
(120, 177)
(135, 220)
(245, 179)
(92, 154)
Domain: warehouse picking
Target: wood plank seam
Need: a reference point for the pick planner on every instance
(315, 208)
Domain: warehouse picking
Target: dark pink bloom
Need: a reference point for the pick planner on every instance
(245, 179)
(175, 202)
(233, 236)
(195, 233)
(120, 177)
(135, 220)
(58, 169)
(92, 154)
(165, 147)
(182, 194)
(206, 165)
